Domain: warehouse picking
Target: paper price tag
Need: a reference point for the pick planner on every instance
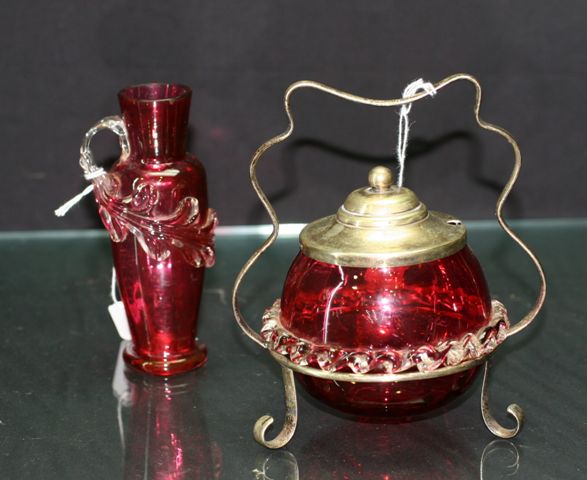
(118, 316)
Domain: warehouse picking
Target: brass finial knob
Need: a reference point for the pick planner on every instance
(380, 178)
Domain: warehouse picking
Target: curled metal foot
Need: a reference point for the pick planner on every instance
(291, 416)
(490, 422)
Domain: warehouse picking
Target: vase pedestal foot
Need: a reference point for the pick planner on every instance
(165, 367)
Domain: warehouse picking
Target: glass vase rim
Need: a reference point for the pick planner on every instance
(129, 92)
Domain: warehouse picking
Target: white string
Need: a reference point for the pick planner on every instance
(66, 207)
(403, 129)
(90, 177)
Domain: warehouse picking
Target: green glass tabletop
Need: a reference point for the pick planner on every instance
(69, 408)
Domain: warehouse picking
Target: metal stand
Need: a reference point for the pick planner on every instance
(291, 414)
(289, 367)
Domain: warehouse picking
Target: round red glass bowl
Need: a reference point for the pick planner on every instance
(400, 400)
(395, 308)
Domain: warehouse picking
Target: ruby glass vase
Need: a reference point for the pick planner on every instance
(154, 204)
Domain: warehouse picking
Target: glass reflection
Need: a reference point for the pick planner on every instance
(162, 429)
(405, 460)
(280, 465)
(506, 463)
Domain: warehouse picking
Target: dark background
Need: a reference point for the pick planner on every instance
(62, 64)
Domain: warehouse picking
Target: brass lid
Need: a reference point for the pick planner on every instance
(382, 225)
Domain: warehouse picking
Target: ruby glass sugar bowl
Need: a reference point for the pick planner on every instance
(384, 286)
(385, 311)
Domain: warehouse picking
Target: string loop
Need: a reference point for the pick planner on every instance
(403, 129)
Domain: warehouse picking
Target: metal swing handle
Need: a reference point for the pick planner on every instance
(520, 325)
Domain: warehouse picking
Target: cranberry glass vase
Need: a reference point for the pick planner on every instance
(154, 204)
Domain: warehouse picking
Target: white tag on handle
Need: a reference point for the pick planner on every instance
(118, 316)
(117, 312)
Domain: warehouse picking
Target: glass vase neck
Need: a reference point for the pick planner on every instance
(156, 117)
